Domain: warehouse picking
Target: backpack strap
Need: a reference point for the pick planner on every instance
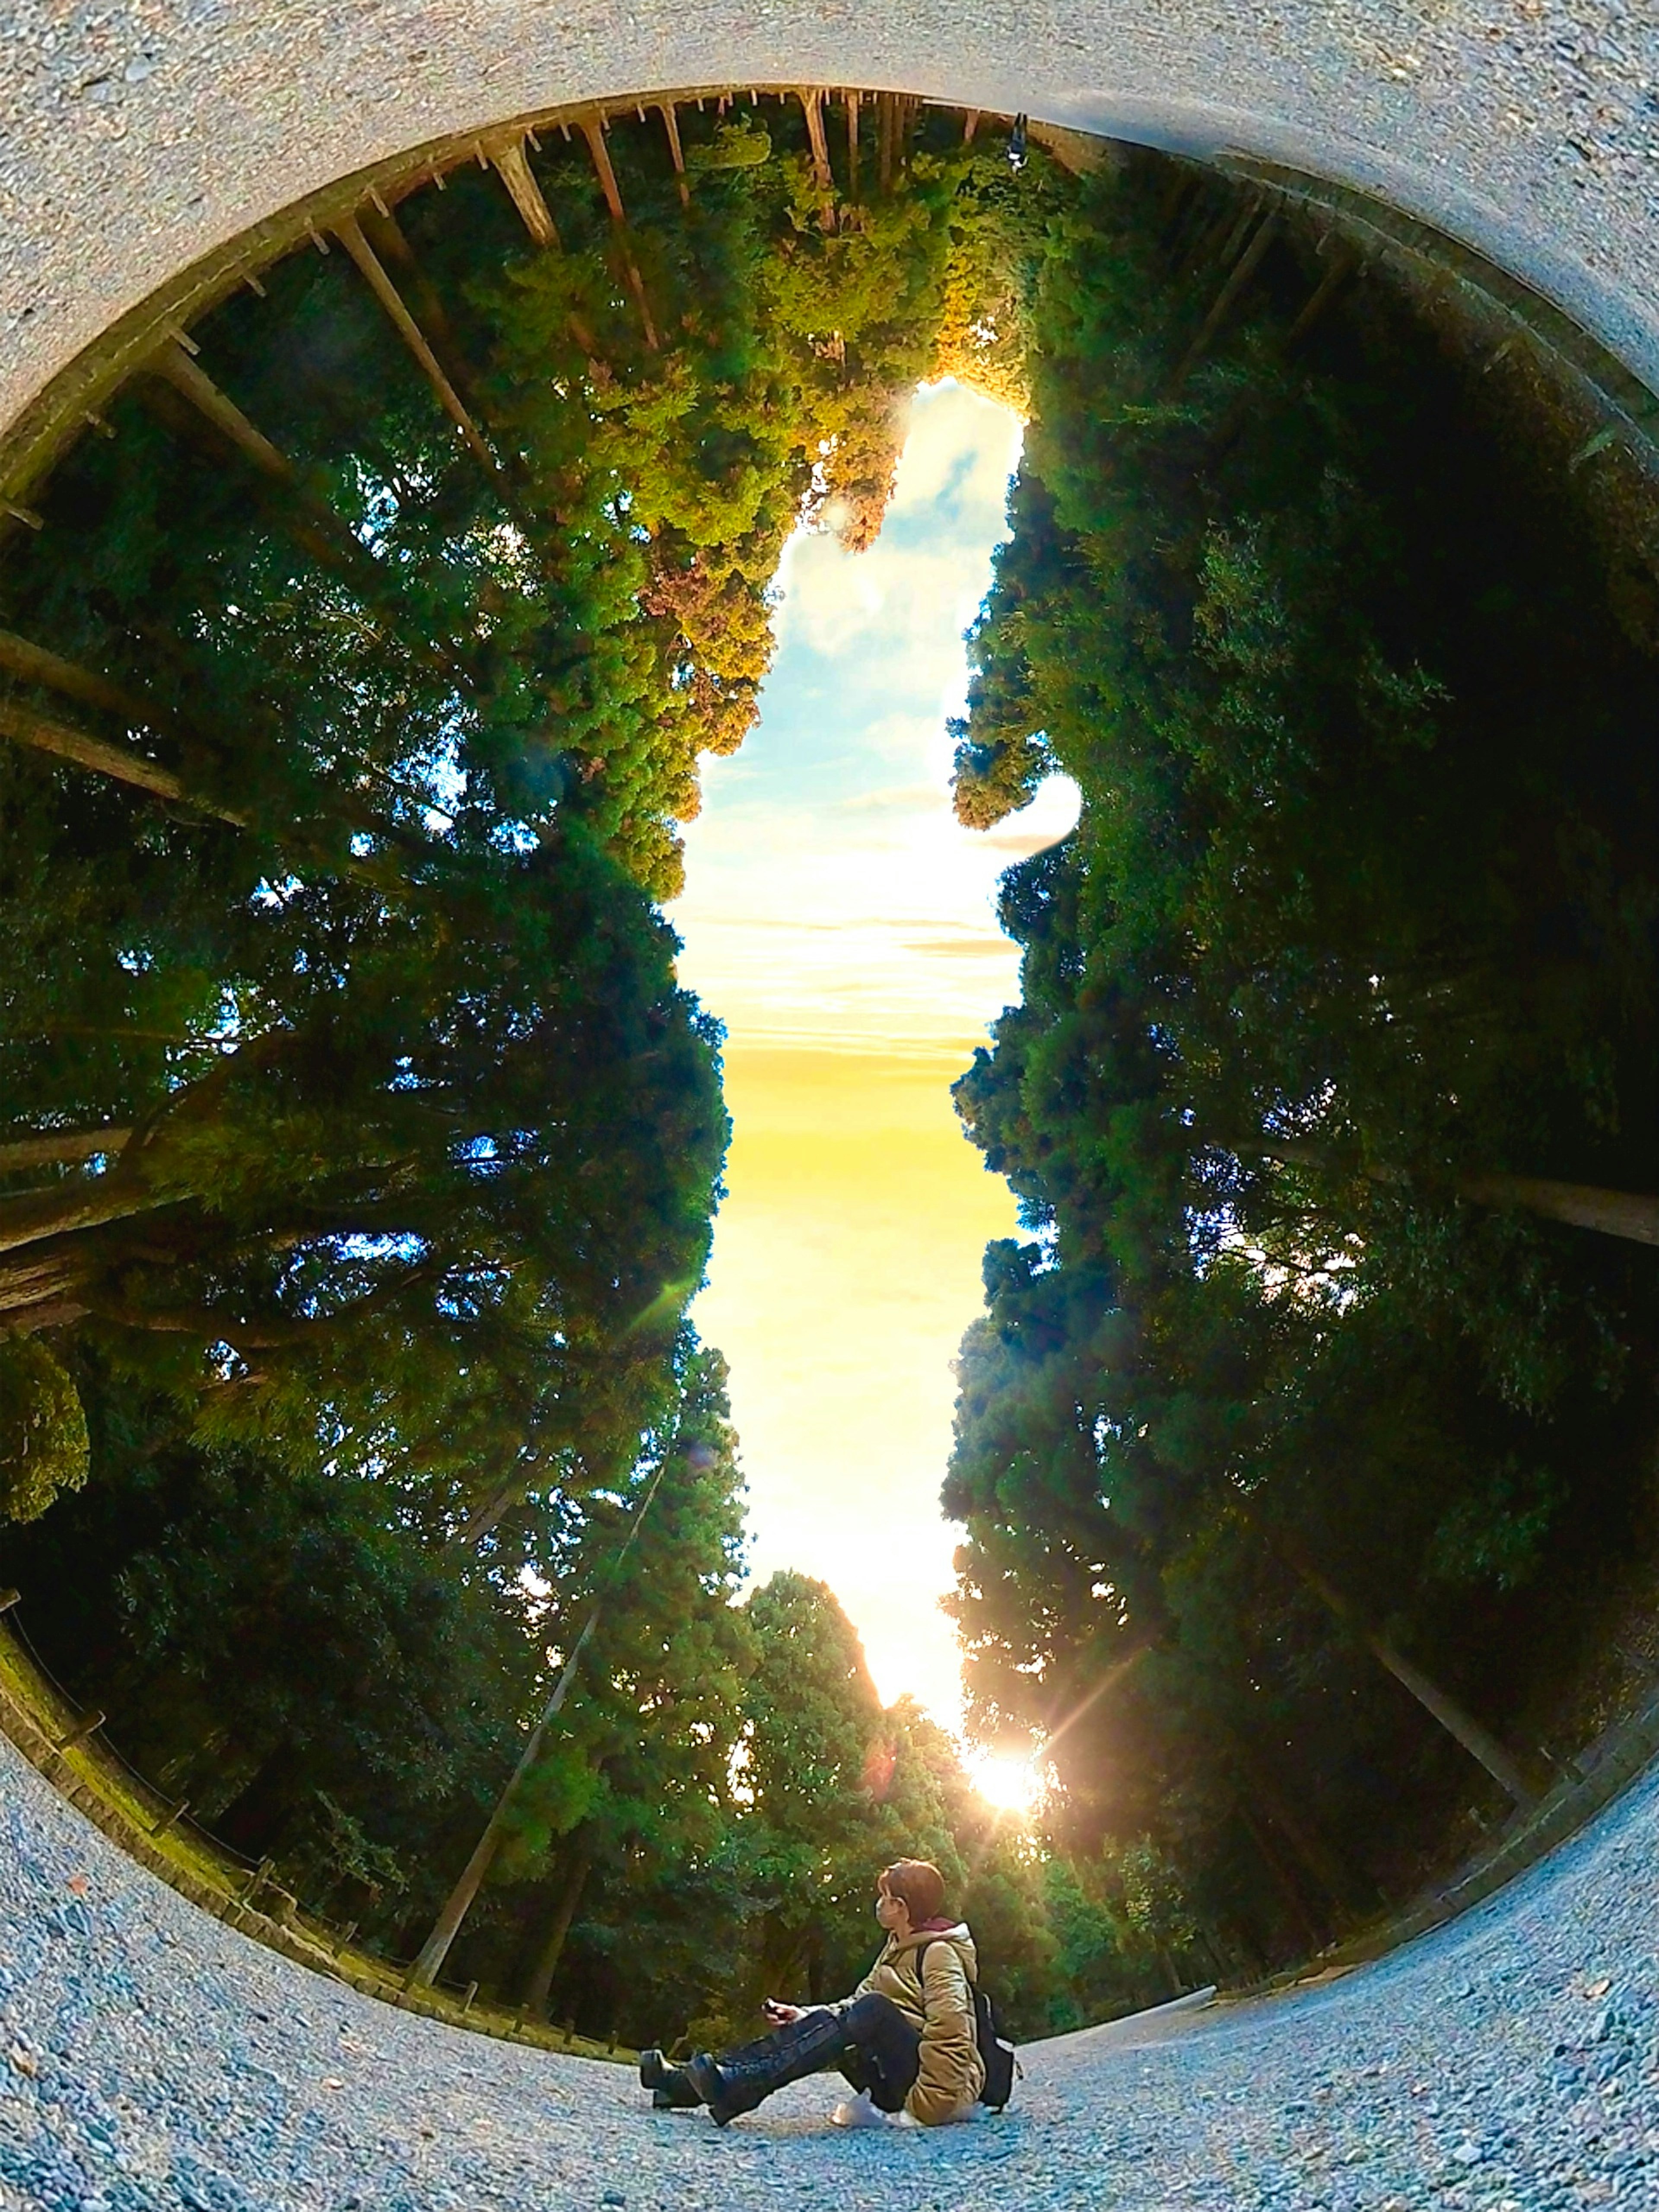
(921, 1951)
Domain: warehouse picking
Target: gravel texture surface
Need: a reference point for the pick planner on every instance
(136, 134)
(152, 2061)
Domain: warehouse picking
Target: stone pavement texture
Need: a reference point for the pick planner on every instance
(138, 135)
(152, 2060)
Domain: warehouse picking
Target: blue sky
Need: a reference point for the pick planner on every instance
(842, 924)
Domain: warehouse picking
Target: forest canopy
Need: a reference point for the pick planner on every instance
(1307, 1424)
(359, 1146)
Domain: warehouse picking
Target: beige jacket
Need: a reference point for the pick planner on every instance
(951, 2073)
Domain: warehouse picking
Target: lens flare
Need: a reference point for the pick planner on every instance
(1011, 1784)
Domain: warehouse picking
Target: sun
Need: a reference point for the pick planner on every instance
(1011, 1783)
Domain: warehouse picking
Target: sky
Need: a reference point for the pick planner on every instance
(843, 925)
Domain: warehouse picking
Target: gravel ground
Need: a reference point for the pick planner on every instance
(152, 2061)
(136, 135)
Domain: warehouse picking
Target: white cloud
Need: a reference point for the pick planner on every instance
(835, 911)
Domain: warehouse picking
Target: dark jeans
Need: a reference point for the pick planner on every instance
(883, 2053)
(874, 2046)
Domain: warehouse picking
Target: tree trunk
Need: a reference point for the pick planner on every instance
(594, 134)
(812, 108)
(42, 1292)
(57, 1146)
(886, 140)
(36, 664)
(1342, 267)
(1455, 1719)
(1283, 1881)
(513, 165)
(254, 1820)
(1230, 291)
(65, 1208)
(539, 1984)
(311, 524)
(484, 1517)
(25, 726)
(1477, 1741)
(1313, 1852)
(435, 1949)
(350, 235)
(1633, 1215)
(670, 123)
(641, 298)
(175, 364)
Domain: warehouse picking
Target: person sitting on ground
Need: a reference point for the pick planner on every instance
(905, 2039)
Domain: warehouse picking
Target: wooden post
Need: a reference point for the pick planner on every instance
(512, 167)
(852, 145)
(471, 1992)
(969, 124)
(671, 124)
(87, 1725)
(350, 235)
(171, 1819)
(594, 134)
(349, 1933)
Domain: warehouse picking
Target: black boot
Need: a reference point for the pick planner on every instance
(670, 2086)
(744, 2079)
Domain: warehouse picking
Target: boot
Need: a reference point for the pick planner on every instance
(744, 2079)
(670, 2086)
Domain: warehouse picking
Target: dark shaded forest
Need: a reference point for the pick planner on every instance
(359, 1148)
(1305, 1436)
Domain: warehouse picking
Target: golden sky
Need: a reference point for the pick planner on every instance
(841, 924)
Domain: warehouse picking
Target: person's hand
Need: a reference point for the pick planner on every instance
(780, 2013)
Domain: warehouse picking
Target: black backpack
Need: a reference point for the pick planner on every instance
(996, 2052)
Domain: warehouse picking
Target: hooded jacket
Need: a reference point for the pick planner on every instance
(951, 2073)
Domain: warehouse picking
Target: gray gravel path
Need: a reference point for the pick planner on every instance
(151, 2060)
(136, 135)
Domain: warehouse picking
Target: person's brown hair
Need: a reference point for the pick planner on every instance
(921, 1886)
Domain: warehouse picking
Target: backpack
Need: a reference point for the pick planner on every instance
(996, 2052)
